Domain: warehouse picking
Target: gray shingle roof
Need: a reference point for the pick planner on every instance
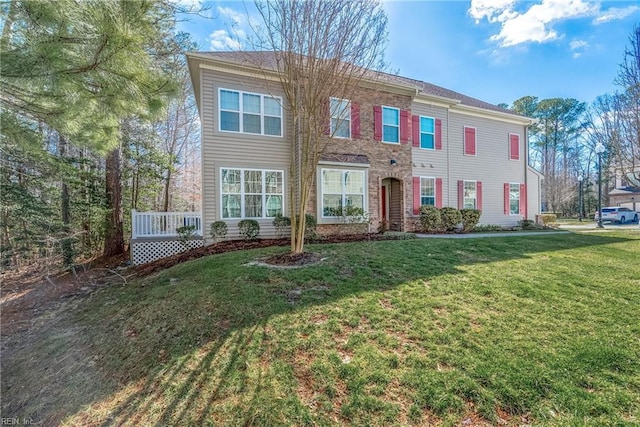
(268, 59)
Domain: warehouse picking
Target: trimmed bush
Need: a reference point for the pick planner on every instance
(249, 229)
(470, 218)
(218, 231)
(186, 234)
(548, 218)
(281, 223)
(311, 224)
(430, 218)
(450, 218)
(527, 224)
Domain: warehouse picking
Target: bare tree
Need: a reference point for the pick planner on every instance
(318, 50)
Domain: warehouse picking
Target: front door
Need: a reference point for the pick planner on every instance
(391, 204)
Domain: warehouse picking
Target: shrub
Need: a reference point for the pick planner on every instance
(281, 223)
(430, 218)
(185, 234)
(357, 220)
(481, 228)
(470, 218)
(311, 224)
(527, 224)
(548, 218)
(249, 229)
(219, 231)
(450, 218)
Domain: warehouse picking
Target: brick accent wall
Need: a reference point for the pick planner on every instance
(380, 155)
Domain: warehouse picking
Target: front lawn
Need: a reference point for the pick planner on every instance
(537, 330)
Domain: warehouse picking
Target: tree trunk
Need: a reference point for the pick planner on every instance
(114, 234)
(67, 246)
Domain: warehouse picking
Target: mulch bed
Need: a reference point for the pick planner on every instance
(240, 245)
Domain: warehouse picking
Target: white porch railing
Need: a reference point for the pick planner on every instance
(163, 224)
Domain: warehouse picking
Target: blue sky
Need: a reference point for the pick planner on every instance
(494, 50)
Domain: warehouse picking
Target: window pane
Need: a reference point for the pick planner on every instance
(427, 187)
(341, 128)
(431, 201)
(272, 126)
(390, 116)
(274, 205)
(469, 203)
(353, 200)
(272, 106)
(340, 108)
(253, 206)
(427, 125)
(250, 123)
(229, 121)
(230, 181)
(250, 103)
(273, 182)
(253, 181)
(470, 189)
(332, 181)
(354, 182)
(332, 205)
(230, 206)
(229, 100)
(426, 140)
(390, 134)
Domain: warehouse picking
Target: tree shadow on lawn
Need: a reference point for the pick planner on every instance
(219, 347)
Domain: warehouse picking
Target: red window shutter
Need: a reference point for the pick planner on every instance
(438, 192)
(523, 200)
(404, 126)
(470, 141)
(415, 126)
(506, 198)
(479, 195)
(377, 123)
(355, 120)
(460, 194)
(416, 195)
(438, 134)
(514, 147)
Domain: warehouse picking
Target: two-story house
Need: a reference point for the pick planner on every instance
(400, 145)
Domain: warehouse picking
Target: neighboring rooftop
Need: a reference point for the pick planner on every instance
(268, 59)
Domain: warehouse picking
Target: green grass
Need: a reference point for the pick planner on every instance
(541, 330)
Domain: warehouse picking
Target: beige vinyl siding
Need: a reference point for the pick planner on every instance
(432, 163)
(236, 150)
(534, 184)
(491, 164)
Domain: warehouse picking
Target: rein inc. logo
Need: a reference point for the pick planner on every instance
(16, 421)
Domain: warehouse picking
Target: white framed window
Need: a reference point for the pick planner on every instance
(391, 125)
(251, 193)
(427, 133)
(470, 195)
(341, 189)
(246, 112)
(340, 117)
(514, 198)
(427, 191)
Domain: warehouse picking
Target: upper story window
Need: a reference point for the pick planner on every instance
(251, 193)
(250, 113)
(340, 118)
(390, 125)
(427, 132)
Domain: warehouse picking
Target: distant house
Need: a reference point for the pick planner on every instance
(411, 144)
(627, 189)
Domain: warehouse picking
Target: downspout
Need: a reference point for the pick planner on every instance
(448, 145)
(526, 168)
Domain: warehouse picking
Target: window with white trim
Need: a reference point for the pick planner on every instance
(253, 113)
(470, 200)
(390, 125)
(340, 117)
(427, 191)
(251, 193)
(427, 132)
(514, 199)
(341, 189)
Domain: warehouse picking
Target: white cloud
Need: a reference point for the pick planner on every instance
(535, 24)
(615, 13)
(578, 44)
(222, 40)
(232, 16)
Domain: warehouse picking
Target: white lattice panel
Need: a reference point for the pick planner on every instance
(144, 252)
